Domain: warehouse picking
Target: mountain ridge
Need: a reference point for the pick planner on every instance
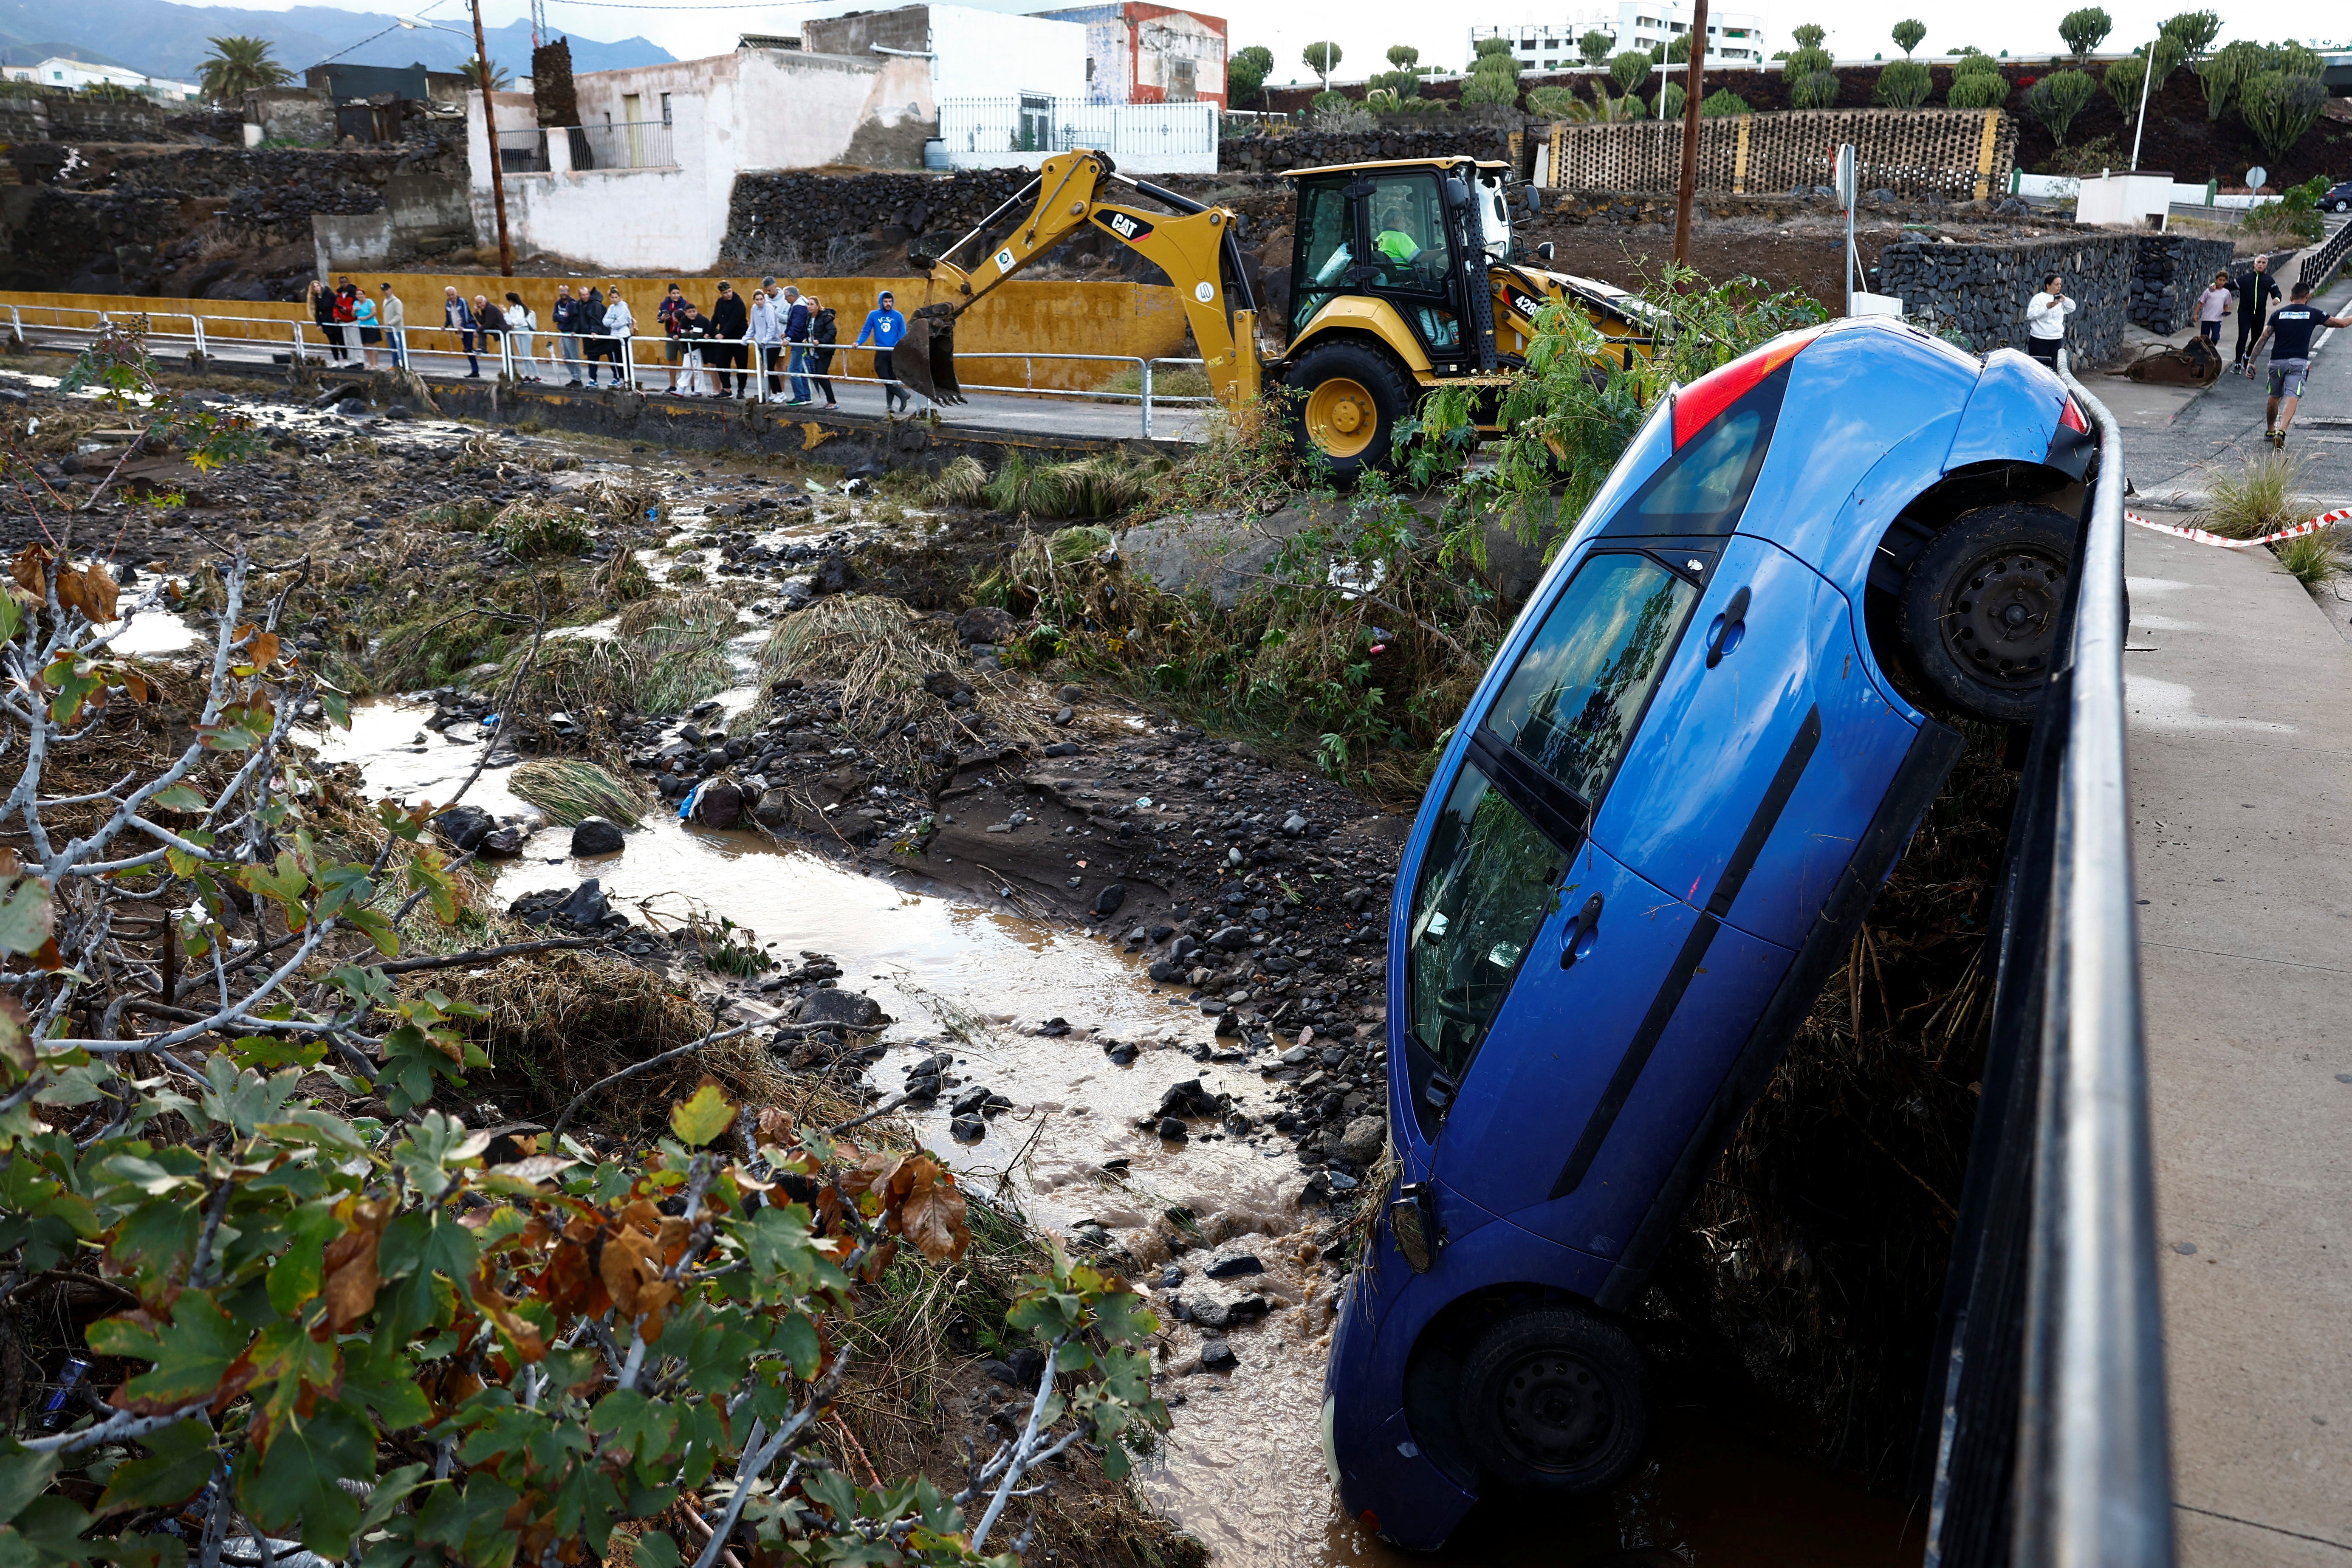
(166, 39)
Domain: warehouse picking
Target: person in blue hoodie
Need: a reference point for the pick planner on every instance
(886, 327)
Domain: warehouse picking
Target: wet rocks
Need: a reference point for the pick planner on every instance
(985, 623)
(583, 908)
(1216, 1355)
(1364, 1139)
(967, 1129)
(597, 836)
(839, 1009)
(1188, 1099)
(1108, 900)
(720, 804)
(1233, 1266)
(465, 827)
(500, 844)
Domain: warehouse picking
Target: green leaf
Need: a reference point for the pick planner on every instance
(181, 797)
(795, 1339)
(641, 1428)
(23, 1478)
(48, 1531)
(179, 1461)
(656, 1550)
(301, 1273)
(193, 1354)
(293, 1485)
(26, 920)
(389, 1493)
(704, 1116)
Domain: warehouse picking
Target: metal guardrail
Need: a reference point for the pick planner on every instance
(441, 350)
(2047, 1415)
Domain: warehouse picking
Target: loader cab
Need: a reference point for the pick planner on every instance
(1414, 236)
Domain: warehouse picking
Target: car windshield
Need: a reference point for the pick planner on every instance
(1571, 705)
(1487, 882)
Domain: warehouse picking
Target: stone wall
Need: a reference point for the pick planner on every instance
(98, 241)
(1980, 290)
(2173, 270)
(72, 117)
(1313, 149)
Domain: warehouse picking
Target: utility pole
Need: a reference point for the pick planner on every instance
(1689, 184)
(498, 160)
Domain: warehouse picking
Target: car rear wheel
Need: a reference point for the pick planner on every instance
(1553, 1400)
(1982, 609)
(1347, 400)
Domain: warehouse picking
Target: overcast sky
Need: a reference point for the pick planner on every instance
(1365, 28)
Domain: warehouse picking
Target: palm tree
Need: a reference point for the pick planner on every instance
(238, 65)
(500, 78)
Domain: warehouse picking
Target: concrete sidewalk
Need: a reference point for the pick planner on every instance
(2241, 699)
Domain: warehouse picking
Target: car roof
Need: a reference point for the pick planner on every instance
(1458, 159)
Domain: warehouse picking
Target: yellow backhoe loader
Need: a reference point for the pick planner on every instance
(1404, 276)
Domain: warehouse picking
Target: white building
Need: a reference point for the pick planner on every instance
(1734, 39)
(642, 183)
(60, 70)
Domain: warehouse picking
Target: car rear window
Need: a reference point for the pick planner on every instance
(1703, 488)
(1571, 706)
(1487, 880)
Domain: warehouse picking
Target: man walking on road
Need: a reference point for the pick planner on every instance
(887, 329)
(456, 316)
(2290, 329)
(2255, 288)
(394, 317)
(2045, 320)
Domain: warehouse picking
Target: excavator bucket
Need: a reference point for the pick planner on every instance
(926, 356)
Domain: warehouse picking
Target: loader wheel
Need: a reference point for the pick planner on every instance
(1981, 606)
(1348, 399)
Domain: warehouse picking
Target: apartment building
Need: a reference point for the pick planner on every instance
(1734, 39)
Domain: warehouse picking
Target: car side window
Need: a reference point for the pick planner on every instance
(1704, 487)
(1487, 880)
(1571, 706)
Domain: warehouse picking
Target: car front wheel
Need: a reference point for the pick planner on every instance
(1553, 1400)
(1982, 609)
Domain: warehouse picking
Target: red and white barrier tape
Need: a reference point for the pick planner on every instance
(2310, 526)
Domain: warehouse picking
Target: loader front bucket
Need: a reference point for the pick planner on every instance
(926, 356)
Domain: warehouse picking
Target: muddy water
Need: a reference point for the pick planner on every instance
(1242, 1467)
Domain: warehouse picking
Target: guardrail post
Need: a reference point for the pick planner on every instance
(196, 327)
(1147, 400)
(16, 326)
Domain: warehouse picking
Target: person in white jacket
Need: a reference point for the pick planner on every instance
(767, 338)
(2045, 320)
(620, 325)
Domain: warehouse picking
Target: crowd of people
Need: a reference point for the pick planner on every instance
(775, 337)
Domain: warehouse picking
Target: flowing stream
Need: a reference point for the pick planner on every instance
(1243, 1467)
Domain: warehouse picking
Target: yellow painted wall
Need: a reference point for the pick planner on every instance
(1126, 319)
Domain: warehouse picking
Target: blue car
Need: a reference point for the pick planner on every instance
(1663, 817)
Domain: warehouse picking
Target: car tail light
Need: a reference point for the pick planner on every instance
(2072, 418)
(1717, 390)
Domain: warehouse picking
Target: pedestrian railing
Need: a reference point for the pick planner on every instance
(764, 373)
(2045, 1444)
(630, 144)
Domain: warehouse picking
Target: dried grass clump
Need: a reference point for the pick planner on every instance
(555, 1023)
(569, 790)
(2257, 497)
(1102, 486)
(962, 482)
(665, 654)
(2315, 558)
(532, 530)
(622, 579)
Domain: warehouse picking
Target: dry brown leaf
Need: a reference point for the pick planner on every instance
(627, 1267)
(90, 590)
(931, 1215)
(29, 568)
(350, 1264)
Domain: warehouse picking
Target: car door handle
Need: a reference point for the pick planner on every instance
(1729, 627)
(1582, 932)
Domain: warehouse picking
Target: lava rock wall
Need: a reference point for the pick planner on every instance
(2173, 270)
(1981, 290)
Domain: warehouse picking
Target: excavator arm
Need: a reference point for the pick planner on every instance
(1196, 246)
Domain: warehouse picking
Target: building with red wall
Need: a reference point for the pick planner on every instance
(1140, 53)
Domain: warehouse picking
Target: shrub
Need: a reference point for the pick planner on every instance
(2315, 558)
(1903, 84)
(2280, 107)
(1552, 102)
(2224, 75)
(1677, 96)
(2057, 98)
(1629, 69)
(1975, 63)
(1491, 86)
(2194, 31)
(1814, 89)
(2123, 82)
(1907, 33)
(2258, 496)
(1594, 47)
(1722, 101)
(1809, 34)
(1978, 90)
(2084, 30)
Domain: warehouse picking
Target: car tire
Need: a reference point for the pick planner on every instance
(1982, 608)
(1554, 1400)
(1347, 399)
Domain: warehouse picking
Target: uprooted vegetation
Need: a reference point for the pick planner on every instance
(287, 1288)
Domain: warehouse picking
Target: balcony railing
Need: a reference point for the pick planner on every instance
(977, 128)
(631, 145)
